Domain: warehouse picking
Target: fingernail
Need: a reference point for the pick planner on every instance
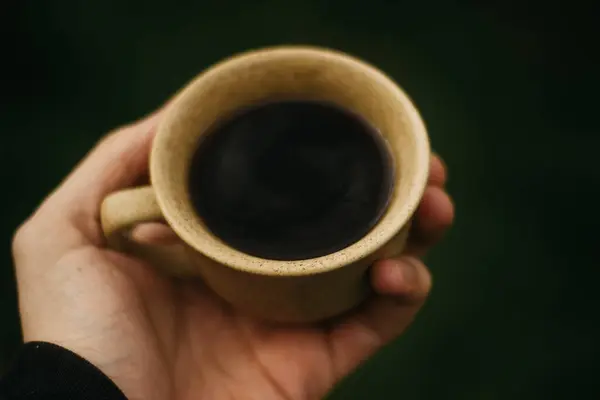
(408, 269)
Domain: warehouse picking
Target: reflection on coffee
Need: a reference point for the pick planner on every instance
(291, 180)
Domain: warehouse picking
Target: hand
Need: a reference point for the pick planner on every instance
(158, 338)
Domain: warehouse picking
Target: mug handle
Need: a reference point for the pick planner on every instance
(122, 211)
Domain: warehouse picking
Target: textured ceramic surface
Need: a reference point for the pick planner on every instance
(292, 291)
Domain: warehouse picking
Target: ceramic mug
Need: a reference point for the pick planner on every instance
(286, 291)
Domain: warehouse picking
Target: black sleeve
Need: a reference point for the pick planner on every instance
(44, 371)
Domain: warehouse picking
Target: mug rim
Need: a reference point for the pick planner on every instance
(199, 238)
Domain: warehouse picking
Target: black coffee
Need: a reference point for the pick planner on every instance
(291, 180)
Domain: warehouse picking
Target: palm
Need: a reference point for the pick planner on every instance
(174, 339)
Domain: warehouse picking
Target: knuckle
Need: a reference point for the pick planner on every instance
(22, 237)
(114, 135)
(110, 137)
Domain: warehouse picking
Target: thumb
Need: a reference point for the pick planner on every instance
(118, 161)
(69, 216)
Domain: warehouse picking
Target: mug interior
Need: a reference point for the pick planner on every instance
(297, 73)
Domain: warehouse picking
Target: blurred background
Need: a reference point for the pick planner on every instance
(508, 91)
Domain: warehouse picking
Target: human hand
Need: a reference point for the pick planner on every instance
(161, 338)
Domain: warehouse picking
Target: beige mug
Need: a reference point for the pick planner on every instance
(285, 291)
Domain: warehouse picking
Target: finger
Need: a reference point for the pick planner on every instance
(432, 219)
(118, 161)
(438, 173)
(402, 286)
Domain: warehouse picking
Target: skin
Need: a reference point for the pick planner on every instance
(160, 338)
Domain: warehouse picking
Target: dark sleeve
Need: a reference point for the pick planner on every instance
(44, 371)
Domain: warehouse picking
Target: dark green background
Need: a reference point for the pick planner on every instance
(509, 95)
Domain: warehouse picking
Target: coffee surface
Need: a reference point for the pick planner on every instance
(291, 180)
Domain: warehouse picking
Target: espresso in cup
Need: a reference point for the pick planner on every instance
(291, 180)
